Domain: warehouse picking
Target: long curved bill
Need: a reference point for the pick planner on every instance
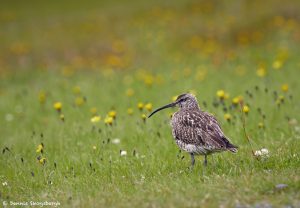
(161, 108)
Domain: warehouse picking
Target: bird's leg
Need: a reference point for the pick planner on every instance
(192, 161)
(205, 160)
(204, 168)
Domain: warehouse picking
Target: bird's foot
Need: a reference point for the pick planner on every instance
(205, 161)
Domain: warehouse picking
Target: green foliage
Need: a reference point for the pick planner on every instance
(103, 59)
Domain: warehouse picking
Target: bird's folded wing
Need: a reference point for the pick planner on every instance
(199, 128)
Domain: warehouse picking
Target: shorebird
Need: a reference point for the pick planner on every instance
(195, 131)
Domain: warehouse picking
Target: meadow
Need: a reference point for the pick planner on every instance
(77, 82)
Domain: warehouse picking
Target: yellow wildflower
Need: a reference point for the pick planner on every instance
(277, 64)
(42, 97)
(140, 105)
(221, 94)
(261, 125)
(129, 92)
(42, 160)
(40, 148)
(93, 110)
(130, 111)
(227, 116)
(57, 106)
(95, 119)
(79, 101)
(108, 120)
(236, 100)
(114, 61)
(279, 21)
(76, 90)
(285, 87)
(278, 102)
(148, 80)
(144, 117)
(261, 72)
(246, 109)
(281, 98)
(67, 71)
(94, 147)
(19, 48)
(112, 114)
(148, 106)
(62, 117)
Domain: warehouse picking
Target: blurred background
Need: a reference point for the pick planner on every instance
(80, 78)
(128, 35)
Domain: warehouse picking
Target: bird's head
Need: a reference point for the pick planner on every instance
(184, 101)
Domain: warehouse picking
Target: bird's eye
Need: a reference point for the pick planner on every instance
(183, 99)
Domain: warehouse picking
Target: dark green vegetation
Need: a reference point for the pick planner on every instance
(103, 59)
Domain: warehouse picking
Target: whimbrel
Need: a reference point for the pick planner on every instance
(195, 131)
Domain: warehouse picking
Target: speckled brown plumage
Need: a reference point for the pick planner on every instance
(196, 131)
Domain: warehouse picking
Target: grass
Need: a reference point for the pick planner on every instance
(92, 56)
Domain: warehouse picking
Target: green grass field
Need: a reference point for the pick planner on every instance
(106, 59)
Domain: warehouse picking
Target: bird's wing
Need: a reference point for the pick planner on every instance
(199, 128)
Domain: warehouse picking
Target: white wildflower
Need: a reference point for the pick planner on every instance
(123, 153)
(257, 153)
(264, 152)
(116, 141)
(4, 183)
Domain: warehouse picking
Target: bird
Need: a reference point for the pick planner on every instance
(195, 131)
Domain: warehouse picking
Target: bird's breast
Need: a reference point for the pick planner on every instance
(192, 148)
(174, 124)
